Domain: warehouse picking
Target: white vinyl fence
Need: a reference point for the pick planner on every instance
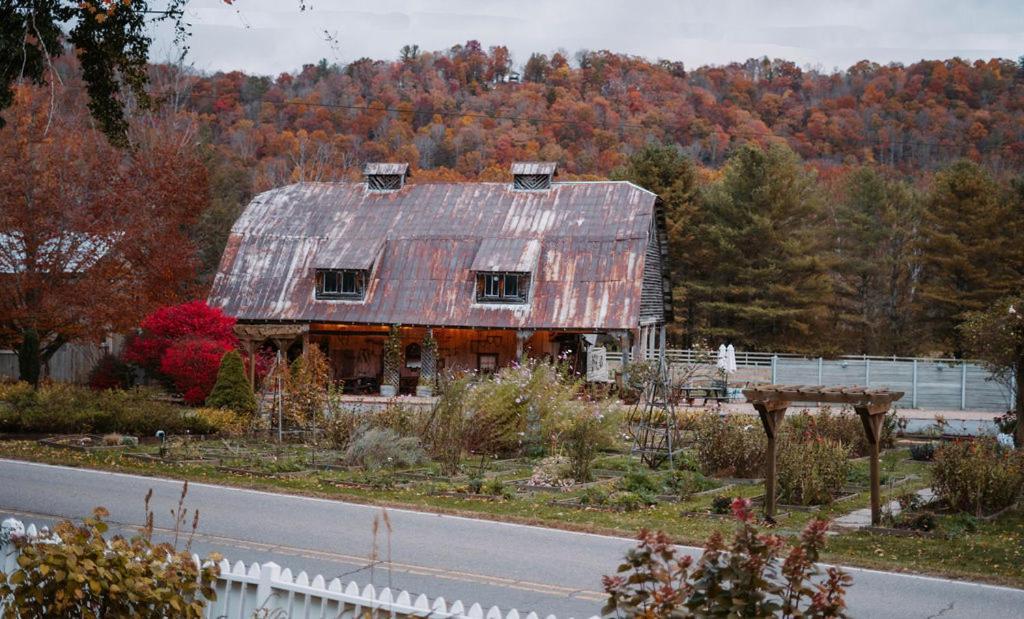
(267, 590)
(933, 383)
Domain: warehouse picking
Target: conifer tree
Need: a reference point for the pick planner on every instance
(232, 389)
(665, 171)
(767, 285)
(969, 257)
(876, 221)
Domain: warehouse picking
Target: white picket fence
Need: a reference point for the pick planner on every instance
(267, 590)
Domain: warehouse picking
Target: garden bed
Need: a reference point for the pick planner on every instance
(145, 457)
(83, 442)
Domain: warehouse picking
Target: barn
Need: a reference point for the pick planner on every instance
(486, 272)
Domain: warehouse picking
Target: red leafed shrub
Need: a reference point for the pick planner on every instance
(754, 575)
(168, 325)
(110, 373)
(191, 364)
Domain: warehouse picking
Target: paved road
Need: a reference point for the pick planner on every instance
(528, 568)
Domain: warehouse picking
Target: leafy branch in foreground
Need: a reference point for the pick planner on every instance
(76, 572)
(746, 578)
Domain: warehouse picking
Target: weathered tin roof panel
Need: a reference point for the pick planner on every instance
(400, 169)
(516, 255)
(347, 253)
(584, 242)
(534, 167)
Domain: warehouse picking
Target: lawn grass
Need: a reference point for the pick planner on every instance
(994, 552)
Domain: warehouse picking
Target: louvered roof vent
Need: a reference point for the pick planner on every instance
(385, 176)
(533, 175)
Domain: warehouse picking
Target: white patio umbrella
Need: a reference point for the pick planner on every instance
(723, 358)
(731, 358)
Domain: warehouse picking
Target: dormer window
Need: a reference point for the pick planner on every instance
(347, 284)
(386, 177)
(502, 287)
(533, 175)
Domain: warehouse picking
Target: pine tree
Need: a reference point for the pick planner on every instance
(968, 252)
(766, 286)
(665, 171)
(876, 222)
(232, 389)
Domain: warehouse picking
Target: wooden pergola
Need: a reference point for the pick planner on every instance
(871, 405)
(282, 335)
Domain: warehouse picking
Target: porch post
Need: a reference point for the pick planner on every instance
(622, 337)
(250, 350)
(521, 336)
(872, 416)
(771, 412)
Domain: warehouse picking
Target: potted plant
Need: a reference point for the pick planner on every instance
(428, 366)
(392, 363)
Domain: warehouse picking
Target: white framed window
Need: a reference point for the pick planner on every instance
(502, 287)
(340, 284)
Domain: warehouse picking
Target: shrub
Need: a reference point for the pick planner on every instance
(171, 324)
(340, 427)
(403, 420)
(376, 449)
(594, 496)
(977, 476)
(684, 483)
(630, 501)
(923, 452)
(308, 388)
(62, 408)
(639, 480)
(749, 577)
(497, 487)
(223, 421)
(183, 345)
(110, 373)
(581, 429)
(191, 365)
(232, 389)
(733, 445)
(518, 405)
(842, 427)
(80, 573)
(811, 472)
(445, 431)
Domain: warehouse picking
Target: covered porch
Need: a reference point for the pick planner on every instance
(356, 352)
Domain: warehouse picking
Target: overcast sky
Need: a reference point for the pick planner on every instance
(271, 36)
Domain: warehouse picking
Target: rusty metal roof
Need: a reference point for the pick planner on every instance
(401, 169)
(534, 167)
(589, 239)
(516, 255)
(348, 253)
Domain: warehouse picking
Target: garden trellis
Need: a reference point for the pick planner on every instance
(871, 405)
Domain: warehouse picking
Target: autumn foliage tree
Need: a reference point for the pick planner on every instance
(91, 237)
(184, 344)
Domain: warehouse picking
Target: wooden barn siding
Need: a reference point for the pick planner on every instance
(652, 295)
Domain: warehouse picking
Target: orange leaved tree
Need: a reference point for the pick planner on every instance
(91, 237)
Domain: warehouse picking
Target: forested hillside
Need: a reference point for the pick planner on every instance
(862, 211)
